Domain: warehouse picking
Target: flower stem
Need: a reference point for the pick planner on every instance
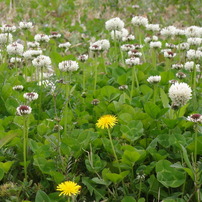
(154, 58)
(195, 144)
(139, 193)
(95, 78)
(134, 78)
(25, 141)
(84, 78)
(155, 93)
(115, 156)
(66, 106)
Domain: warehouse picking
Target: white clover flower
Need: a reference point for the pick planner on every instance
(30, 54)
(180, 93)
(132, 61)
(189, 66)
(180, 75)
(127, 47)
(153, 27)
(15, 49)
(6, 38)
(134, 53)
(154, 79)
(48, 84)
(196, 118)
(183, 46)
(179, 32)
(31, 96)
(41, 61)
(23, 110)
(138, 46)
(25, 25)
(8, 28)
(15, 59)
(194, 54)
(83, 57)
(177, 66)
(139, 20)
(170, 45)
(166, 50)
(169, 54)
(65, 45)
(118, 35)
(123, 87)
(95, 47)
(68, 66)
(41, 38)
(155, 44)
(104, 43)
(193, 31)
(55, 35)
(114, 24)
(33, 44)
(18, 87)
(194, 41)
(47, 75)
(128, 38)
(168, 31)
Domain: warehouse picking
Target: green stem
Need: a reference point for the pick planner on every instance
(155, 93)
(95, 78)
(115, 45)
(195, 144)
(194, 87)
(25, 141)
(139, 193)
(66, 106)
(154, 58)
(167, 64)
(84, 78)
(115, 156)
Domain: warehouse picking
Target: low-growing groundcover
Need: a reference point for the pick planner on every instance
(108, 116)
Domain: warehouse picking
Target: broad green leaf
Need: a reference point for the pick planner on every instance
(6, 139)
(164, 98)
(41, 196)
(1, 173)
(191, 146)
(128, 199)
(152, 110)
(130, 157)
(116, 178)
(168, 176)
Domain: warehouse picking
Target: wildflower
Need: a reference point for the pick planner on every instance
(194, 54)
(177, 66)
(83, 57)
(23, 110)
(41, 61)
(54, 35)
(132, 61)
(168, 31)
(169, 54)
(154, 79)
(18, 87)
(196, 118)
(48, 84)
(193, 31)
(183, 46)
(138, 46)
(189, 66)
(127, 47)
(155, 44)
(170, 45)
(180, 75)
(25, 25)
(149, 39)
(194, 41)
(8, 28)
(180, 93)
(101, 45)
(95, 102)
(15, 49)
(6, 38)
(153, 27)
(123, 87)
(134, 53)
(65, 45)
(68, 188)
(139, 20)
(15, 59)
(106, 121)
(41, 38)
(32, 44)
(68, 66)
(30, 54)
(114, 24)
(173, 81)
(128, 38)
(31, 96)
(95, 47)
(118, 35)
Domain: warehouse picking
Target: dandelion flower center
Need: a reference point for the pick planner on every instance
(106, 121)
(68, 188)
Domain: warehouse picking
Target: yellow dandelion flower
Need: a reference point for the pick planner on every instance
(68, 188)
(106, 121)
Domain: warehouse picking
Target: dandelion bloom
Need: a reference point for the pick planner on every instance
(106, 121)
(68, 188)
